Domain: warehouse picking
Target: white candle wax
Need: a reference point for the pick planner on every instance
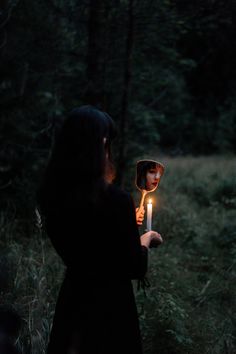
(149, 215)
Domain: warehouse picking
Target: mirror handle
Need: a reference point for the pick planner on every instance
(144, 192)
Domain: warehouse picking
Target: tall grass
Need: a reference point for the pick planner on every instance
(191, 304)
(36, 274)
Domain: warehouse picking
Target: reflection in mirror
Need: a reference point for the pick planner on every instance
(148, 175)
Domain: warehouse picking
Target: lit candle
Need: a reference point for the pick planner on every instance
(149, 215)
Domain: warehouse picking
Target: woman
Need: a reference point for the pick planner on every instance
(92, 225)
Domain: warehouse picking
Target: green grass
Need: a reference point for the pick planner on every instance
(190, 307)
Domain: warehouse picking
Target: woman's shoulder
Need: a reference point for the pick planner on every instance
(119, 195)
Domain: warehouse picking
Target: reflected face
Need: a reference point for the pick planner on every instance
(152, 178)
(148, 174)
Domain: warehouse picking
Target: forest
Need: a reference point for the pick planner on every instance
(165, 71)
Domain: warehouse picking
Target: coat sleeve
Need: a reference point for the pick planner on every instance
(137, 255)
(127, 258)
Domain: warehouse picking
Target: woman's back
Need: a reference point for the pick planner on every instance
(101, 248)
(100, 232)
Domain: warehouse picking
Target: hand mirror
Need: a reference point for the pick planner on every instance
(148, 175)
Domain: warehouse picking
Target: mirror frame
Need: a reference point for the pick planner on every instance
(144, 191)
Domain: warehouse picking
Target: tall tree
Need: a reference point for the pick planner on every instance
(123, 122)
(94, 90)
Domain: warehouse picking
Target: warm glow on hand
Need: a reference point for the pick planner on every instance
(140, 215)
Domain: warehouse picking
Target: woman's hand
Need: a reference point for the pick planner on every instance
(151, 239)
(140, 215)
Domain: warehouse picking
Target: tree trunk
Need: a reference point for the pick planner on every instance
(94, 90)
(125, 98)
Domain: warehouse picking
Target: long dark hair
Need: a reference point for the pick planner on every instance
(80, 162)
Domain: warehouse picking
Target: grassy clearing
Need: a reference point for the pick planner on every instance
(190, 307)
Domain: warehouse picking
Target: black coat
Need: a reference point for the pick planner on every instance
(96, 311)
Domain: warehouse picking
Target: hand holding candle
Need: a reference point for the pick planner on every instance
(149, 215)
(150, 238)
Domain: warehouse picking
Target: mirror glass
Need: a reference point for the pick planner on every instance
(148, 175)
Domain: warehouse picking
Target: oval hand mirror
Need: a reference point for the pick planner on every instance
(148, 175)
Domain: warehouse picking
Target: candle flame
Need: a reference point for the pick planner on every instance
(150, 201)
